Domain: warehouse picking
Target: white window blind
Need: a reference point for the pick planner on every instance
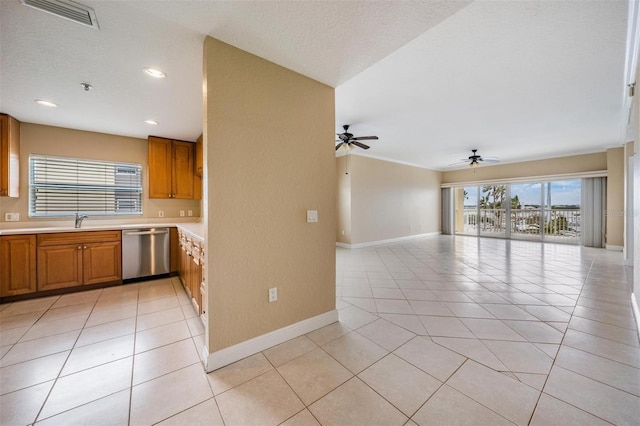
(64, 186)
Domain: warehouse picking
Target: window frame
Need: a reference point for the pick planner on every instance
(109, 191)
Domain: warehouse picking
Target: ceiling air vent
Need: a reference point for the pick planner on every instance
(66, 9)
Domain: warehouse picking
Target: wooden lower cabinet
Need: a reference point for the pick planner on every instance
(59, 266)
(18, 260)
(101, 262)
(79, 258)
(190, 269)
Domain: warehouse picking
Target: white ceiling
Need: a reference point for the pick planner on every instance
(433, 79)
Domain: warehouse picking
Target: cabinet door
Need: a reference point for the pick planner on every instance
(4, 155)
(9, 156)
(102, 262)
(186, 272)
(183, 167)
(18, 259)
(59, 266)
(160, 153)
(199, 170)
(196, 278)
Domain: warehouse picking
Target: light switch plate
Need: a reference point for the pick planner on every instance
(273, 294)
(312, 216)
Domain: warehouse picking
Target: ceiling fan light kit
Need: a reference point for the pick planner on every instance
(475, 159)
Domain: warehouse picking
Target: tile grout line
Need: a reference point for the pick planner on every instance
(65, 361)
(553, 363)
(133, 356)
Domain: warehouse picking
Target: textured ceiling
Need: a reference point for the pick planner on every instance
(433, 79)
(516, 80)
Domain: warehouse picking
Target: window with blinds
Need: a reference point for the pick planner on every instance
(64, 186)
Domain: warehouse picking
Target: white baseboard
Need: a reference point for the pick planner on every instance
(614, 248)
(250, 347)
(636, 312)
(391, 240)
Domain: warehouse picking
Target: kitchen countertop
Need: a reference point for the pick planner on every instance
(194, 228)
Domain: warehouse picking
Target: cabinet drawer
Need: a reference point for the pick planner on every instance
(78, 237)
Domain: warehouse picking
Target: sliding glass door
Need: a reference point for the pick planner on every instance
(493, 210)
(541, 211)
(466, 210)
(526, 212)
(562, 211)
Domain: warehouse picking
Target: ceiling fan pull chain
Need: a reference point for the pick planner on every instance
(346, 163)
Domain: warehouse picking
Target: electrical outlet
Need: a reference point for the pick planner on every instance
(273, 294)
(181, 213)
(189, 213)
(312, 216)
(160, 213)
(12, 217)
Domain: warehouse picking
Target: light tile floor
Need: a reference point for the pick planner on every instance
(441, 330)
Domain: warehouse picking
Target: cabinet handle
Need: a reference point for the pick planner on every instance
(85, 247)
(79, 247)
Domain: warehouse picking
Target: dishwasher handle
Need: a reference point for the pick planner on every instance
(146, 232)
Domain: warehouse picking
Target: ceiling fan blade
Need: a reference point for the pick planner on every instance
(339, 145)
(365, 138)
(361, 145)
(489, 160)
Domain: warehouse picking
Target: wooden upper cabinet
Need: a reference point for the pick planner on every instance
(9, 156)
(160, 154)
(18, 260)
(171, 168)
(183, 168)
(199, 173)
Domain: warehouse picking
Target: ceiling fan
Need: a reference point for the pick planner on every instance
(347, 140)
(474, 159)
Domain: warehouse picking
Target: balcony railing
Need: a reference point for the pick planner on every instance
(554, 224)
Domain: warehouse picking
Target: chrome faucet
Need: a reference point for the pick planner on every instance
(79, 219)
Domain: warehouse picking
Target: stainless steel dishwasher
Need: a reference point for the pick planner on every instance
(145, 252)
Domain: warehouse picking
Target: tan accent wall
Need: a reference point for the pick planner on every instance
(615, 197)
(391, 200)
(552, 166)
(343, 200)
(269, 157)
(62, 142)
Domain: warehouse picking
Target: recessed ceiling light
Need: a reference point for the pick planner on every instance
(152, 122)
(45, 103)
(154, 72)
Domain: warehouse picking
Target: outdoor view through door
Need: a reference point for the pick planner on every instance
(542, 211)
